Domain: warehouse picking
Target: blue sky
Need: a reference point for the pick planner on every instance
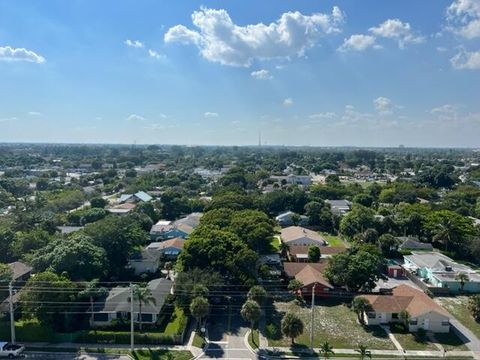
(324, 73)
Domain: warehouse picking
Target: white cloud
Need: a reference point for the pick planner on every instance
(154, 54)
(135, 117)
(444, 110)
(220, 40)
(397, 30)
(8, 119)
(358, 42)
(383, 105)
(466, 60)
(261, 74)
(288, 102)
(317, 117)
(7, 53)
(463, 18)
(441, 49)
(210, 114)
(134, 43)
(34, 113)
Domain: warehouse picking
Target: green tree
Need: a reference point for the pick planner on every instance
(326, 350)
(314, 254)
(98, 202)
(143, 296)
(188, 284)
(199, 308)
(474, 306)
(251, 312)
(363, 352)
(404, 317)
(292, 326)
(388, 244)
(257, 293)
(295, 285)
(449, 228)
(76, 255)
(6, 274)
(361, 306)
(92, 292)
(463, 278)
(357, 221)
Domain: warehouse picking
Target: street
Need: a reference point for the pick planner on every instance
(71, 356)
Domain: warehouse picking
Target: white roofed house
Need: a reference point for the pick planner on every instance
(183, 227)
(339, 207)
(297, 235)
(287, 219)
(116, 306)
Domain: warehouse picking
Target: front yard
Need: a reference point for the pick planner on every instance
(161, 355)
(334, 322)
(457, 306)
(333, 240)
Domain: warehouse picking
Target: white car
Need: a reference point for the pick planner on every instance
(10, 350)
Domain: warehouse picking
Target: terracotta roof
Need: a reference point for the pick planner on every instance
(405, 297)
(292, 233)
(177, 242)
(293, 268)
(309, 275)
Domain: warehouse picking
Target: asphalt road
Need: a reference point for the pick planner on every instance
(71, 356)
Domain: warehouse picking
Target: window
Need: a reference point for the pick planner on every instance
(372, 315)
(100, 317)
(445, 322)
(395, 316)
(413, 322)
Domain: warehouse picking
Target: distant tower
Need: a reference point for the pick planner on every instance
(259, 139)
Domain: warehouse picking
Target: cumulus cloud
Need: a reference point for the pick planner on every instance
(154, 54)
(220, 40)
(134, 43)
(358, 42)
(383, 105)
(318, 117)
(135, 117)
(466, 60)
(288, 102)
(397, 30)
(34, 113)
(463, 18)
(210, 114)
(8, 53)
(261, 74)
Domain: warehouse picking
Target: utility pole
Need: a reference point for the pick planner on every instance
(313, 317)
(12, 317)
(131, 318)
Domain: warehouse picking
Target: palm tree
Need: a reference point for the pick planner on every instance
(257, 293)
(292, 326)
(463, 278)
(251, 312)
(326, 350)
(361, 306)
(199, 308)
(363, 352)
(404, 317)
(284, 248)
(92, 292)
(143, 295)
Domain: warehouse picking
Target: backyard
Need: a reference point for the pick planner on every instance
(333, 240)
(334, 322)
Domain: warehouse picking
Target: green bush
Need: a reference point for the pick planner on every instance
(123, 337)
(272, 331)
(28, 331)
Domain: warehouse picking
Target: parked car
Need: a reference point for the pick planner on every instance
(10, 350)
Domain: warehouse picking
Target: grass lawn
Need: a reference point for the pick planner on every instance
(333, 240)
(409, 341)
(275, 244)
(198, 341)
(254, 339)
(161, 355)
(457, 306)
(176, 323)
(335, 322)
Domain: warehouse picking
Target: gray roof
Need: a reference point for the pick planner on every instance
(118, 298)
(141, 195)
(339, 203)
(411, 243)
(19, 269)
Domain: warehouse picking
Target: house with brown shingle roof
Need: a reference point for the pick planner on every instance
(299, 253)
(424, 313)
(297, 235)
(311, 276)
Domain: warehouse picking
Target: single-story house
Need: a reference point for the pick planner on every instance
(412, 243)
(424, 313)
(116, 306)
(304, 180)
(297, 235)
(122, 209)
(438, 270)
(310, 275)
(286, 219)
(299, 253)
(339, 207)
(183, 227)
(20, 271)
(140, 196)
(148, 260)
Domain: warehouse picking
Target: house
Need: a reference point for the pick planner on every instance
(183, 227)
(424, 313)
(148, 260)
(438, 270)
(287, 219)
(299, 253)
(140, 196)
(116, 306)
(311, 276)
(339, 207)
(20, 271)
(412, 243)
(297, 235)
(304, 180)
(122, 209)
